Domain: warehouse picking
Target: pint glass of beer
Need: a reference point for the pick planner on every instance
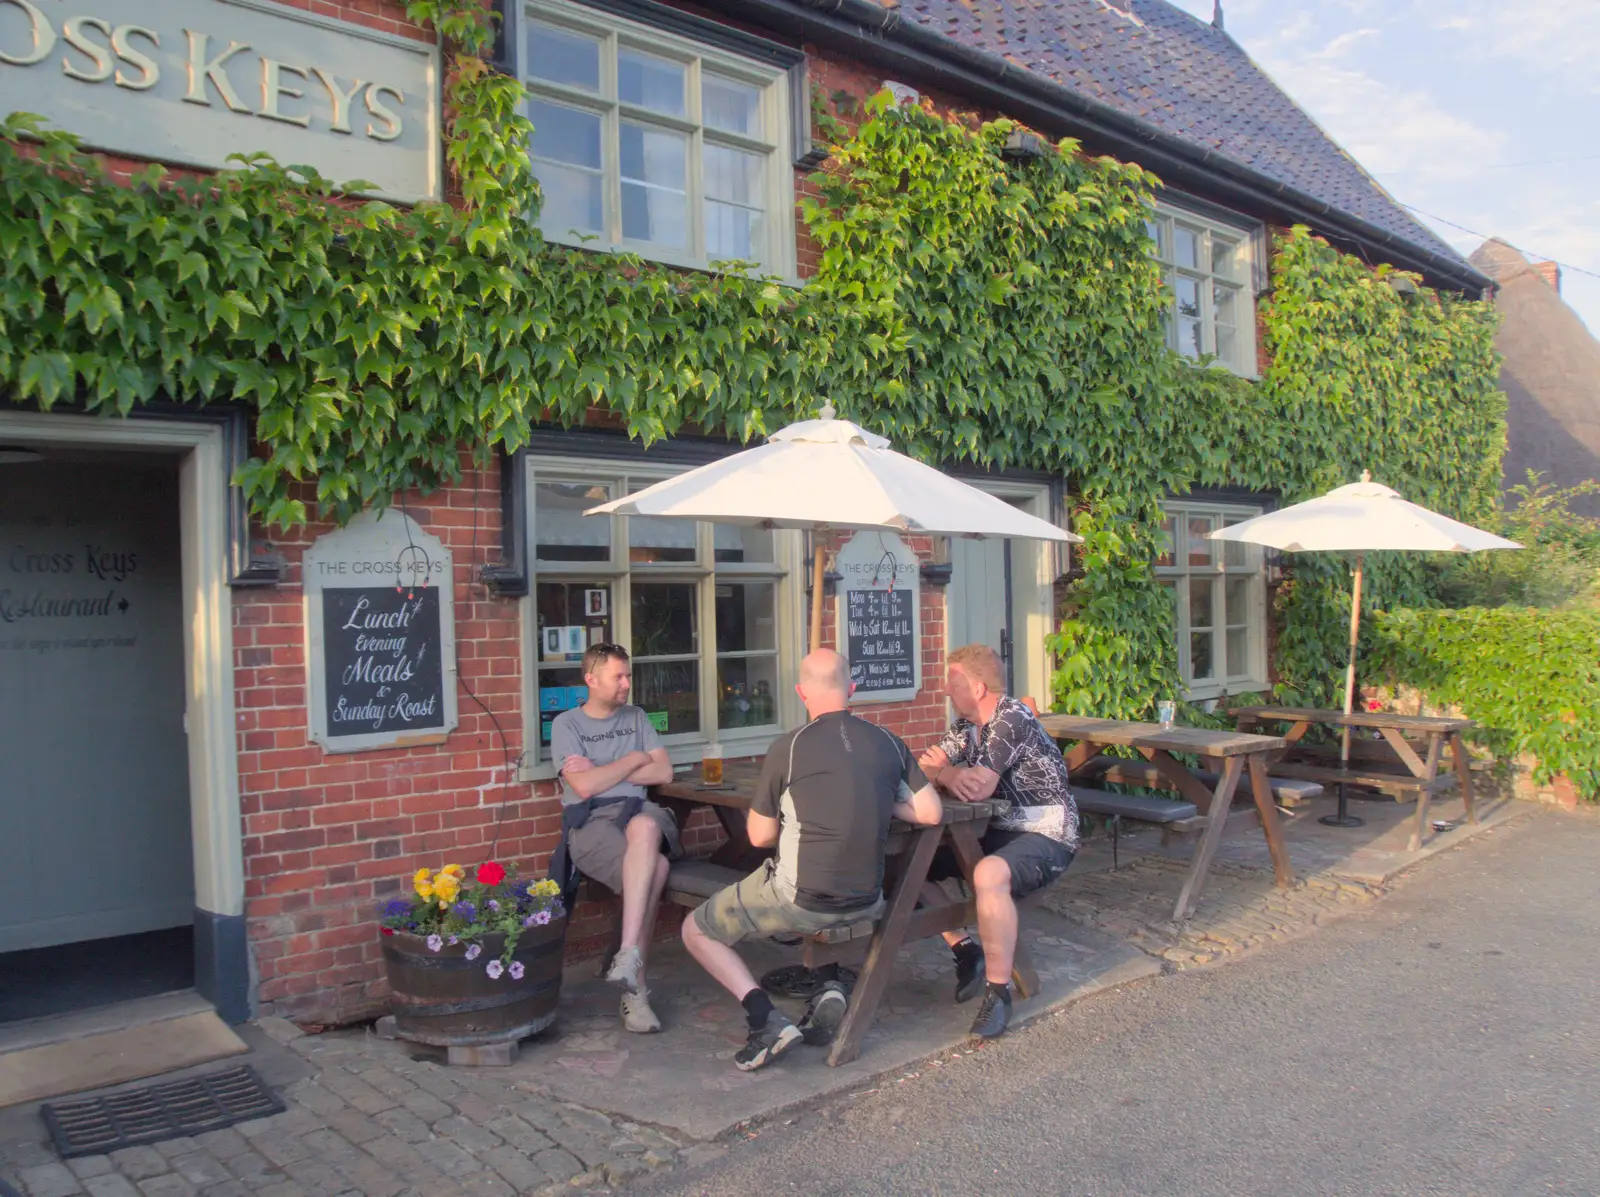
(711, 765)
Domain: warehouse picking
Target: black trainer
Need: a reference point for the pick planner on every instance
(994, 1015)
(824, 1015)
(970, 978)
(767, 1044)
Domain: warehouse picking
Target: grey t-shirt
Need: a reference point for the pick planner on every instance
(601, 742)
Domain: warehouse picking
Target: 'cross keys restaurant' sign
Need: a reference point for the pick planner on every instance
(380, 620)
(192, 81)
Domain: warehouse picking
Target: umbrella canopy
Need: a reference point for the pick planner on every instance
(1360, 518)
(826, 474)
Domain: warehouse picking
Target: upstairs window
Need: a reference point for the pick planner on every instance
(1208, 267)
(647, 142)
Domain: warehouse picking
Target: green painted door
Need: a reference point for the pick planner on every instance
(94, 789)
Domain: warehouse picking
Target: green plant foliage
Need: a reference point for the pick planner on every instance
(1558, 565)
(973, 309)
(1530, 677)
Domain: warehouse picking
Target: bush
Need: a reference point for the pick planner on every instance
(1559, 563)
(1530, 677)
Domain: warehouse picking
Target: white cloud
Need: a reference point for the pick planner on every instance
(1559, 38)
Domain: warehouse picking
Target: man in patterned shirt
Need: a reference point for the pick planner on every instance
(998, 749)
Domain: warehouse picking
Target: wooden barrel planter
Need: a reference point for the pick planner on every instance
(445, 1000)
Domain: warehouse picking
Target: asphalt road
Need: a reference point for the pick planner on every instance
(1444, 1041)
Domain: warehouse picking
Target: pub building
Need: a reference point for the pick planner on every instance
(223, 747)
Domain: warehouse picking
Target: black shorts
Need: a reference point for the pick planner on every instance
(1034, 860)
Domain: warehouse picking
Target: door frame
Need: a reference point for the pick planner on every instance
(1030, 587)
(205, 501)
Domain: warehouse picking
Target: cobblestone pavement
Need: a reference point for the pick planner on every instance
(1240, 908)
(366, 1126)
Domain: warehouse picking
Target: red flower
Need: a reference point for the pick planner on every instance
(1374, 705)
(386, 930)
(491, 873)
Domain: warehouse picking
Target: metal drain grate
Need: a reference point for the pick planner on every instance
(96, 1125)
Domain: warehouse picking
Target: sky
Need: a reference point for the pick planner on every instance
(1483, 114)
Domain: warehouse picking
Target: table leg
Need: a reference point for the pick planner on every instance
(1430, 772)
(1458, 750)
(1261, 790)
(1216, 820)
(886, 941)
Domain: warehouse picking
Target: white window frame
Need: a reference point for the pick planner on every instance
(786, 572)
(1163, 221)
(1228, 560)
(778, 256)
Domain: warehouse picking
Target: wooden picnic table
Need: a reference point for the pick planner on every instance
(1236, 752)
(1372, 764)
(910, 851)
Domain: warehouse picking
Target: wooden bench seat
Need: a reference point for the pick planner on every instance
(1362, 753)
(1143, 807)
(1400, 785)
(1287, 791)
(690, 882)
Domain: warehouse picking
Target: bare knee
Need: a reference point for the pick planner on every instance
(992, 874)
(642, 829)
(691, 931)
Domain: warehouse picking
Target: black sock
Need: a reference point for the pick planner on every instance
(1001, 989)
(965, 948)
(828, 972)
(757, 1008)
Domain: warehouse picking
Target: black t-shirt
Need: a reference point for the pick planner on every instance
(833, 783)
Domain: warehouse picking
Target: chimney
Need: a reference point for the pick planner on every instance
(1551, 273)
(1216, 15)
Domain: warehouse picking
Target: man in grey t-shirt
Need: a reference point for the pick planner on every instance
(608, 754)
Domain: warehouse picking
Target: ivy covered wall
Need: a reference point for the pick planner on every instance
(971, 308)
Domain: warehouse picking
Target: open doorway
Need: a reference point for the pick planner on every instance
(97, 870)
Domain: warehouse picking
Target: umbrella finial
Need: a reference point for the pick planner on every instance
(827, 412)
(1366, 475)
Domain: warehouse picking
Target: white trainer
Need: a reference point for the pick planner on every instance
(625, 969)
(637, 1015)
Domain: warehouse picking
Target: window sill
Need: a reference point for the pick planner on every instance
(1212, 691)
(665, 256)
(736, 745)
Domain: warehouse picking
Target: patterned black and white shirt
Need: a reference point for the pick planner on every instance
(1033, 775)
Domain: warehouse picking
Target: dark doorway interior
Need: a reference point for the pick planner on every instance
(79, 976)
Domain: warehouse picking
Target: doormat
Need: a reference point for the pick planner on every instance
(172, 1110)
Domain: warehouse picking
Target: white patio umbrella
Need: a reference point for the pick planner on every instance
(828, 474)
(1359, 518)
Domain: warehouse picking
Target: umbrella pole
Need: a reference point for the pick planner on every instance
(816, 592)
(1344, 818)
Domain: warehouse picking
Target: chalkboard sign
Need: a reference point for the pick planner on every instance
(383, 661)
(879, 621)
(380, 635)
(880, 640)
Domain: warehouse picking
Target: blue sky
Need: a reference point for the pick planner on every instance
(1484, 113)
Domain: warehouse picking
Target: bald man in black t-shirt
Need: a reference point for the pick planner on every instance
(825, 800)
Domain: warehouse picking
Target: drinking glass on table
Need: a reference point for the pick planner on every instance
(1166, 712)
(711, 765)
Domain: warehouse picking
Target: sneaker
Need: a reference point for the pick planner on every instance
(824, 1015)
(993, 1015)
(637, 1015)
(625, 969)
(767, 1044)
(970, 978)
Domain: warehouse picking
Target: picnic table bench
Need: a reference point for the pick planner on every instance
(1209, 805)
(909, 852)
(1414, 743)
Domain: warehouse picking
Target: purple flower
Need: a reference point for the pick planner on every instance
(516, 970)
(542, 917)
(527, 922)
(465, 911)
(434, 943)
(452, 941)
(494, 906)
(474, 951)
(495, 969)
(395, 908)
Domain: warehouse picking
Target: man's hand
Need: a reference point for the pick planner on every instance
(933, 762)
(577, 764)
(973, 784)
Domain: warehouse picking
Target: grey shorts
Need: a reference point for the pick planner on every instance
(1034, 860)
(597, 848)
(754, 908)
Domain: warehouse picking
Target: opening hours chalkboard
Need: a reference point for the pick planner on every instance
(380, 629)
(879, 621)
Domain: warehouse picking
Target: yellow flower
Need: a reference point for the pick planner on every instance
(445, 886)
(456, 871)
(547, 887)
(421, 884)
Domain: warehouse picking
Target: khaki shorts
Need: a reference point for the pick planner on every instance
(754, 908)
(597, 848)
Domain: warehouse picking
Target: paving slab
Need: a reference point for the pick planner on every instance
(683, 1080)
